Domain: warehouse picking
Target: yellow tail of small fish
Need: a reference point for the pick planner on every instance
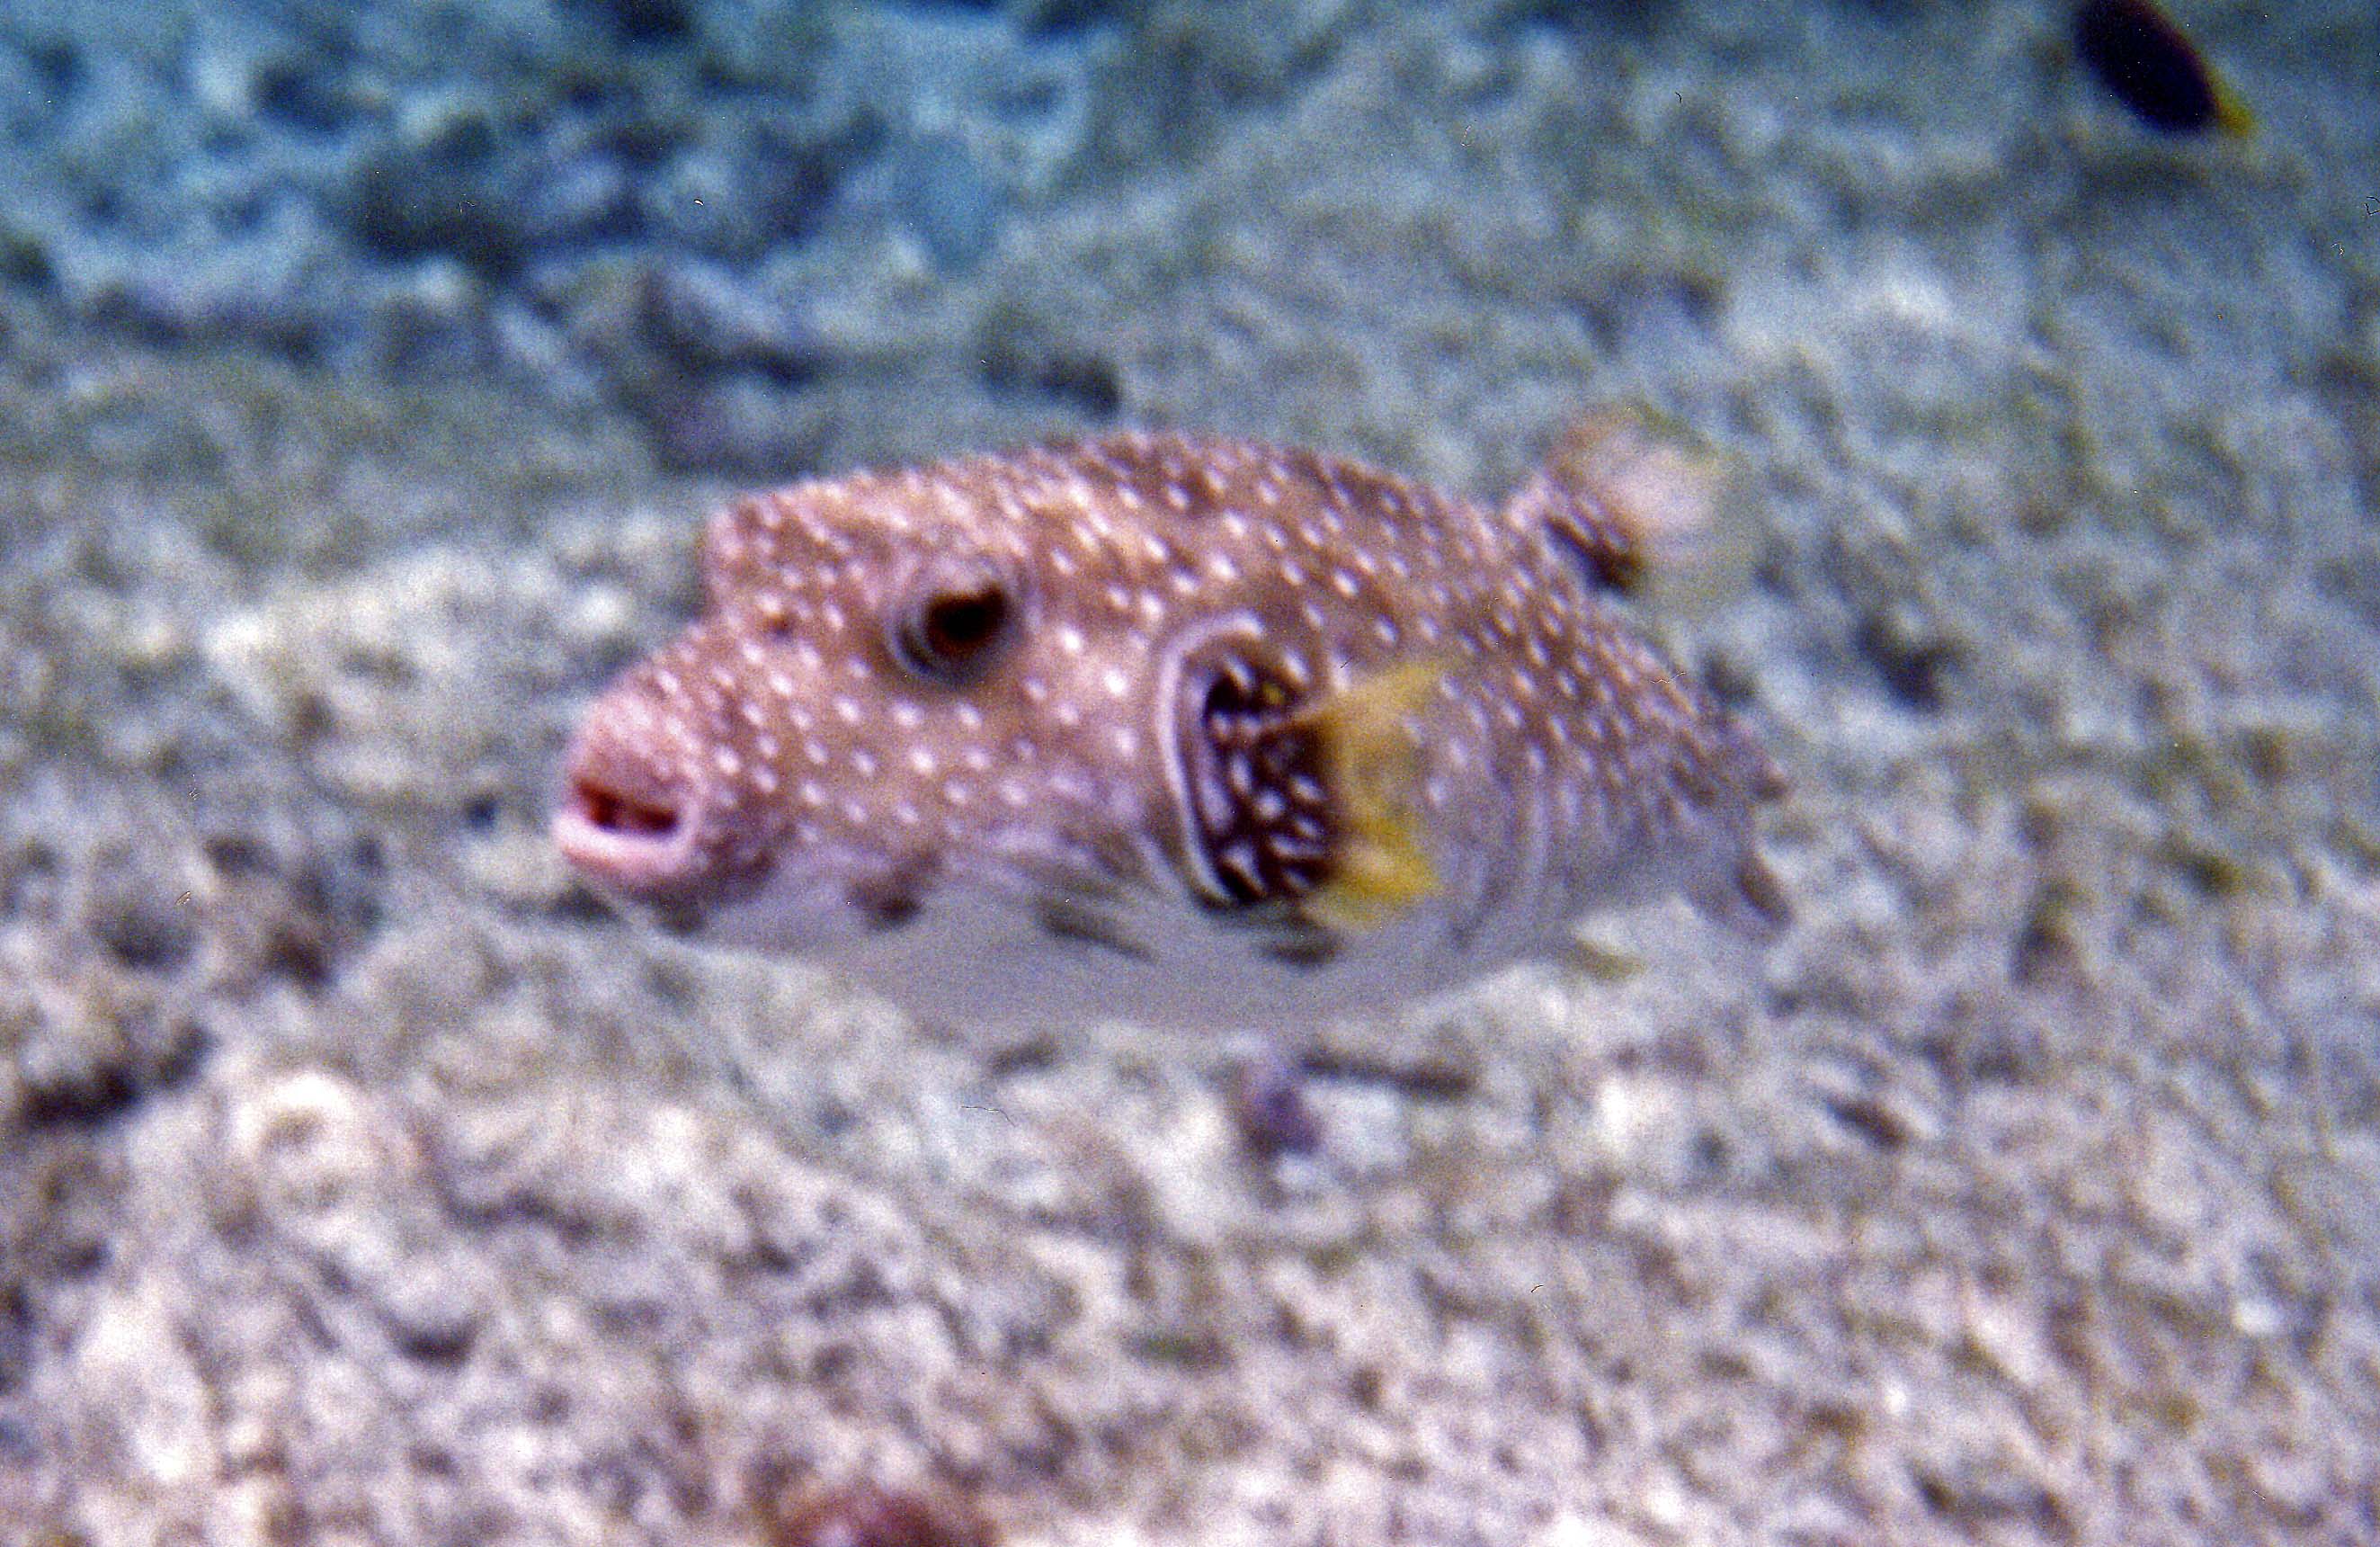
(2233, 113)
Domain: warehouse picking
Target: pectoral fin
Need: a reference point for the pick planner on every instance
(1309, 802)
(1381, 866)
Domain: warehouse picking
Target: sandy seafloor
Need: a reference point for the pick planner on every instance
(362, 1181)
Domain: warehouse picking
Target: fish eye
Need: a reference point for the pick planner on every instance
(956, 618)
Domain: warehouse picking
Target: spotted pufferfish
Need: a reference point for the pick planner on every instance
(1189, 732)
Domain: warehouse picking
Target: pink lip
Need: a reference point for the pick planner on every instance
(641, 846)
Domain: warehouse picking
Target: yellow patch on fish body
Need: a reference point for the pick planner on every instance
(1383, 865)
(1191, 731)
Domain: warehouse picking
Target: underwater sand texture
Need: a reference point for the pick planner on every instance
(360, 1181)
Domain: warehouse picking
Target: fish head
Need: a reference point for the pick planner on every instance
(903, 690)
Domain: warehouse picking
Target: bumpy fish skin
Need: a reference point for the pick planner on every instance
(1192, 731)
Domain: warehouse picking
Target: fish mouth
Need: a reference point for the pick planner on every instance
(629, 826)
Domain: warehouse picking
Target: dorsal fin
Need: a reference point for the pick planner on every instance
(1637, 505)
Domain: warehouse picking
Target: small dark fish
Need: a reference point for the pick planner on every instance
(2154, 68)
